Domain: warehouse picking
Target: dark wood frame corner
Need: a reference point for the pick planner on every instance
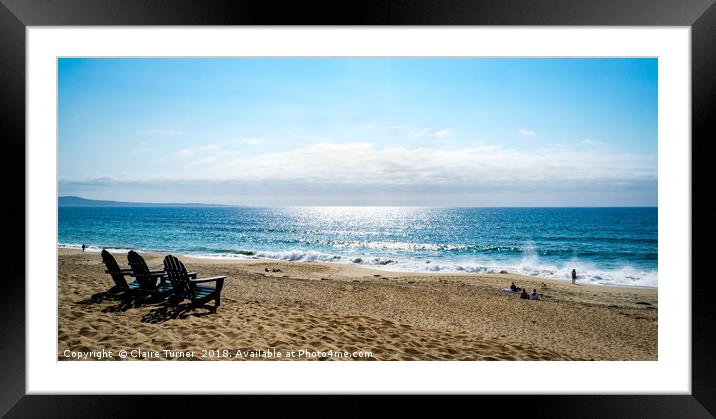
(16, 15)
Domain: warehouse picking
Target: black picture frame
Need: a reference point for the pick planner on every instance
(16, 15)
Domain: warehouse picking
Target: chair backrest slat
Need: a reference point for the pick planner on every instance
(113, 268)
(179, 277)
(141, 271)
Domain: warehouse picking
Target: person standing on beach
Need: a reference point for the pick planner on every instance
(83, 247)
(574, 275)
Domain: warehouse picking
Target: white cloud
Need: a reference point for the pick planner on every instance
(365, 173)
(192, 152)
(364, 163)
(410, 131)
(163, 132)
(252, 141)
(527, 132)
(442, 133)
(429, 132)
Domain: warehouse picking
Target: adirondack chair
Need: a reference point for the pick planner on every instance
(187, 288)
(147, 278)
(117, 274)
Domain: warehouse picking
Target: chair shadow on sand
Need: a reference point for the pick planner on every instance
(98, 298)
(124, 302)
(166, 310)
(171, 311)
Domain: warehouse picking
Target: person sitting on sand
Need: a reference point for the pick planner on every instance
(513, 287)
(534, 295)
(524, 295)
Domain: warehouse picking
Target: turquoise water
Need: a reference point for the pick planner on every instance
(605, 245)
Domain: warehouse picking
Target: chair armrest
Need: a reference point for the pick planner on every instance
(164, 276)
(212, 279)
(218, 279)
(121, 271)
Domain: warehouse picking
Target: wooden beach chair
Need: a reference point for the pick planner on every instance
(120, 283)
(146, 278)
(188, 288)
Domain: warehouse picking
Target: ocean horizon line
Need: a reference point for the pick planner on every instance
(131, 204)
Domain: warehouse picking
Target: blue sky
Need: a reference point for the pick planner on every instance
(360, 131)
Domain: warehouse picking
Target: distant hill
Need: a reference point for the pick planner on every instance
(76, 201)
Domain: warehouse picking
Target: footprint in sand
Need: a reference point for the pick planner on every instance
(87, 332)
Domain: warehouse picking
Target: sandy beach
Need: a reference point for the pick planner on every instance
(321, 309)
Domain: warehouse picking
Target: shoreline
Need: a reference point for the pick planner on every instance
(377, 267)
(393, 315)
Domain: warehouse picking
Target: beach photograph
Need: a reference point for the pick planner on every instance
(357, 209)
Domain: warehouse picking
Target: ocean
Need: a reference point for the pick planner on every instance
(607, 246)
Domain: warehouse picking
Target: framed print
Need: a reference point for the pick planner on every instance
(426, 186)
